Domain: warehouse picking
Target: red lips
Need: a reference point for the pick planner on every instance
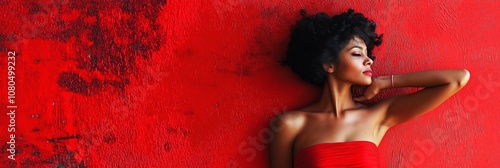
(368, 72)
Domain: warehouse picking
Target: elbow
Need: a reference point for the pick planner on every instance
(463, 77)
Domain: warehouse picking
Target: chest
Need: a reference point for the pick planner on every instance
(321, 129)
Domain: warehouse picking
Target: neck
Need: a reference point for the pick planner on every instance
(336, 98)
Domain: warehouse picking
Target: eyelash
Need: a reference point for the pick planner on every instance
(372, 57)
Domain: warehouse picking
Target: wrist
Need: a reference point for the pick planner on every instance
(385, 82)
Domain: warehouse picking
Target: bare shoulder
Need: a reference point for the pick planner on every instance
(293, 120)
(285, 127)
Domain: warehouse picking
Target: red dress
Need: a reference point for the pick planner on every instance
(338, 154)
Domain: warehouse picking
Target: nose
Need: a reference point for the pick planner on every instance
(368, 61)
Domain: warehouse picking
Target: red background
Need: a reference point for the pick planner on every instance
(195, 83)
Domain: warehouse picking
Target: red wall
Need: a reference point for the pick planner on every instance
(195, 84)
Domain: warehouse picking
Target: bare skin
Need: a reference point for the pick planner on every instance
(338, 117)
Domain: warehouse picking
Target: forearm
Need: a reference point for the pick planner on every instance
(431, 78)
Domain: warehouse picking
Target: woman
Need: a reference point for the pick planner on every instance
(335, 53)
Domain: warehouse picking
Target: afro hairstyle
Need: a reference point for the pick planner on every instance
(318, 39)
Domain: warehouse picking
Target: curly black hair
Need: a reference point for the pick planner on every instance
(318, 39)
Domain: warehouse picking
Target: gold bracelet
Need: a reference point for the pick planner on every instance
(392, 80)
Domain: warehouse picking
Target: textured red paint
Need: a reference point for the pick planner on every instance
(195, 84)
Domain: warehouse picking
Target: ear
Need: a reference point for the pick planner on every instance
(329, 68)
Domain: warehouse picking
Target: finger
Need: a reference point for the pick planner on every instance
(361, 98)
(371, 95)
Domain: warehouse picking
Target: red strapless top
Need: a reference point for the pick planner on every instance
(338, 154)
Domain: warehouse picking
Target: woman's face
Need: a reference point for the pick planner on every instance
(353, 61)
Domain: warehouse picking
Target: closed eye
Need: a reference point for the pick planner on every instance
(356, 54)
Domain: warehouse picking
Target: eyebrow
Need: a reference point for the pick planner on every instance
(356, 47)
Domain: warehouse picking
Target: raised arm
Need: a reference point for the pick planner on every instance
(439, 86)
